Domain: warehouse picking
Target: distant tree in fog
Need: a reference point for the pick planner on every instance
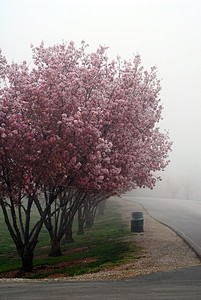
(173, 187)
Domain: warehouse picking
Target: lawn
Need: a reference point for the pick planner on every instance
(101, 246)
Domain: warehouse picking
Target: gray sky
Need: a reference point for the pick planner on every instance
(166, 33)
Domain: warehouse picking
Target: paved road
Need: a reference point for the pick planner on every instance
(181, 284)
(183, 216)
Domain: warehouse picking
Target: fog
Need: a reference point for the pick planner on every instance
(165, 33)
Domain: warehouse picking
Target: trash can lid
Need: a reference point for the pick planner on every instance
(137, 215)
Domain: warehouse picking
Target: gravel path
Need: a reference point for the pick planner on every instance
(163, 250)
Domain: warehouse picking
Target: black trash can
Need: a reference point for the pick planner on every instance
(137, 222)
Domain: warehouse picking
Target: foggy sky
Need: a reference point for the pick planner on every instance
(166, 33)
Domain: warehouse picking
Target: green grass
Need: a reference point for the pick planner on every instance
(103, 243)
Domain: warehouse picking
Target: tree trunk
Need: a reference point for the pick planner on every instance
(27, 260)
(89, 219)
(69, 234)
(80, 222)
(101, 208)
(55, 248)
(80, 227)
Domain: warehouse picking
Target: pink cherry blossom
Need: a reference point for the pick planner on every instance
(76, 117)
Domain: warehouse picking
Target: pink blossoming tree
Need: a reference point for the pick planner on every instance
(77, 122)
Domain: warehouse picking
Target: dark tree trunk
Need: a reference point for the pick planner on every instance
(101, 208)
(27, 261)
(23, 243)
(69, 234)
(89, 219)
(80, 222)
(80, 227)
(55, 248)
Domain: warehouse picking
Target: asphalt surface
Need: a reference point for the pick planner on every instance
(177, 284)
(183, 216)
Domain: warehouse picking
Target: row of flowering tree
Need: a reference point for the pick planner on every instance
(74, 128)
